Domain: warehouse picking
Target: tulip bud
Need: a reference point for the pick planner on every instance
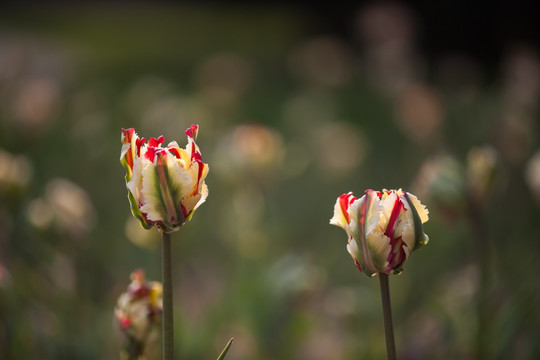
(166, 184)
(383, 228)
(138, 316)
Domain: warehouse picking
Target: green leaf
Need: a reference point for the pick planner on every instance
(225, 350)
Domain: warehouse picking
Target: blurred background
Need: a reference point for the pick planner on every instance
(297, 102)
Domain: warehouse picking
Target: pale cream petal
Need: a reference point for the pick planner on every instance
(354, 214)
(339, 217)
(373, 212)
(179, 176)
(354, 250)
(179, 183)
(379, 248)
(386, 207)
(135, 184)
(190, 203)
(420, 208)
(204, 195)
(151, 202)
(407, 236)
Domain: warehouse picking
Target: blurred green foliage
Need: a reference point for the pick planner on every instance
(288, 122)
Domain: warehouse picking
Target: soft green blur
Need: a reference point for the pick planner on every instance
(288, 122)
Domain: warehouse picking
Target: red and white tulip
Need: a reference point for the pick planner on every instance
(165, 184)
(383, 228)
(138, 315)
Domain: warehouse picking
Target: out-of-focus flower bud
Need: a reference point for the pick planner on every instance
(138, 316)
(481, 167)
(15, 170)
(383, 228)
(166, 185)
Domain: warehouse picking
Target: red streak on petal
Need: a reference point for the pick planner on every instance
(192, 131)
(199, 175)
(357, 265)
(193, 150)
(344, 205)
(150, 153)
(196, 156)
(184, 211)
(127, 135)
(175, 152)
(125, 322)
(396, 210)
(397, 254)
(139, 143)
(156, 142)
(141, 292)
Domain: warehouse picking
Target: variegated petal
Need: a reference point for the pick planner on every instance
(165, 182)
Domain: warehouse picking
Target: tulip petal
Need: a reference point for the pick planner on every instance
(164, 183)
(341, 210)
(374, 244)
(136, 212)
(126, 154)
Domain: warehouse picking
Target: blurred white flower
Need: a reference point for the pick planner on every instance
(72, 207)
(65, 205)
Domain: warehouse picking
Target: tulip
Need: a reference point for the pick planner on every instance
(166, 184)
(138, 316)
(383, 228)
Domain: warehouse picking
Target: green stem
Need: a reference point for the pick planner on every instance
(483, 255)
(387, 315)
(168, 325)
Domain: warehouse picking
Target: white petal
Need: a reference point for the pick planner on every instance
(374, 213)
(386, 206)
(339, 218)
(379, 249)
(420, 208)
(179, 183)
(135, 184)
(352, 248)
(407, 236)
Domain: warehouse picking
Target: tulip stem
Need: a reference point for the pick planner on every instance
(168, 324)
(387, 315)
